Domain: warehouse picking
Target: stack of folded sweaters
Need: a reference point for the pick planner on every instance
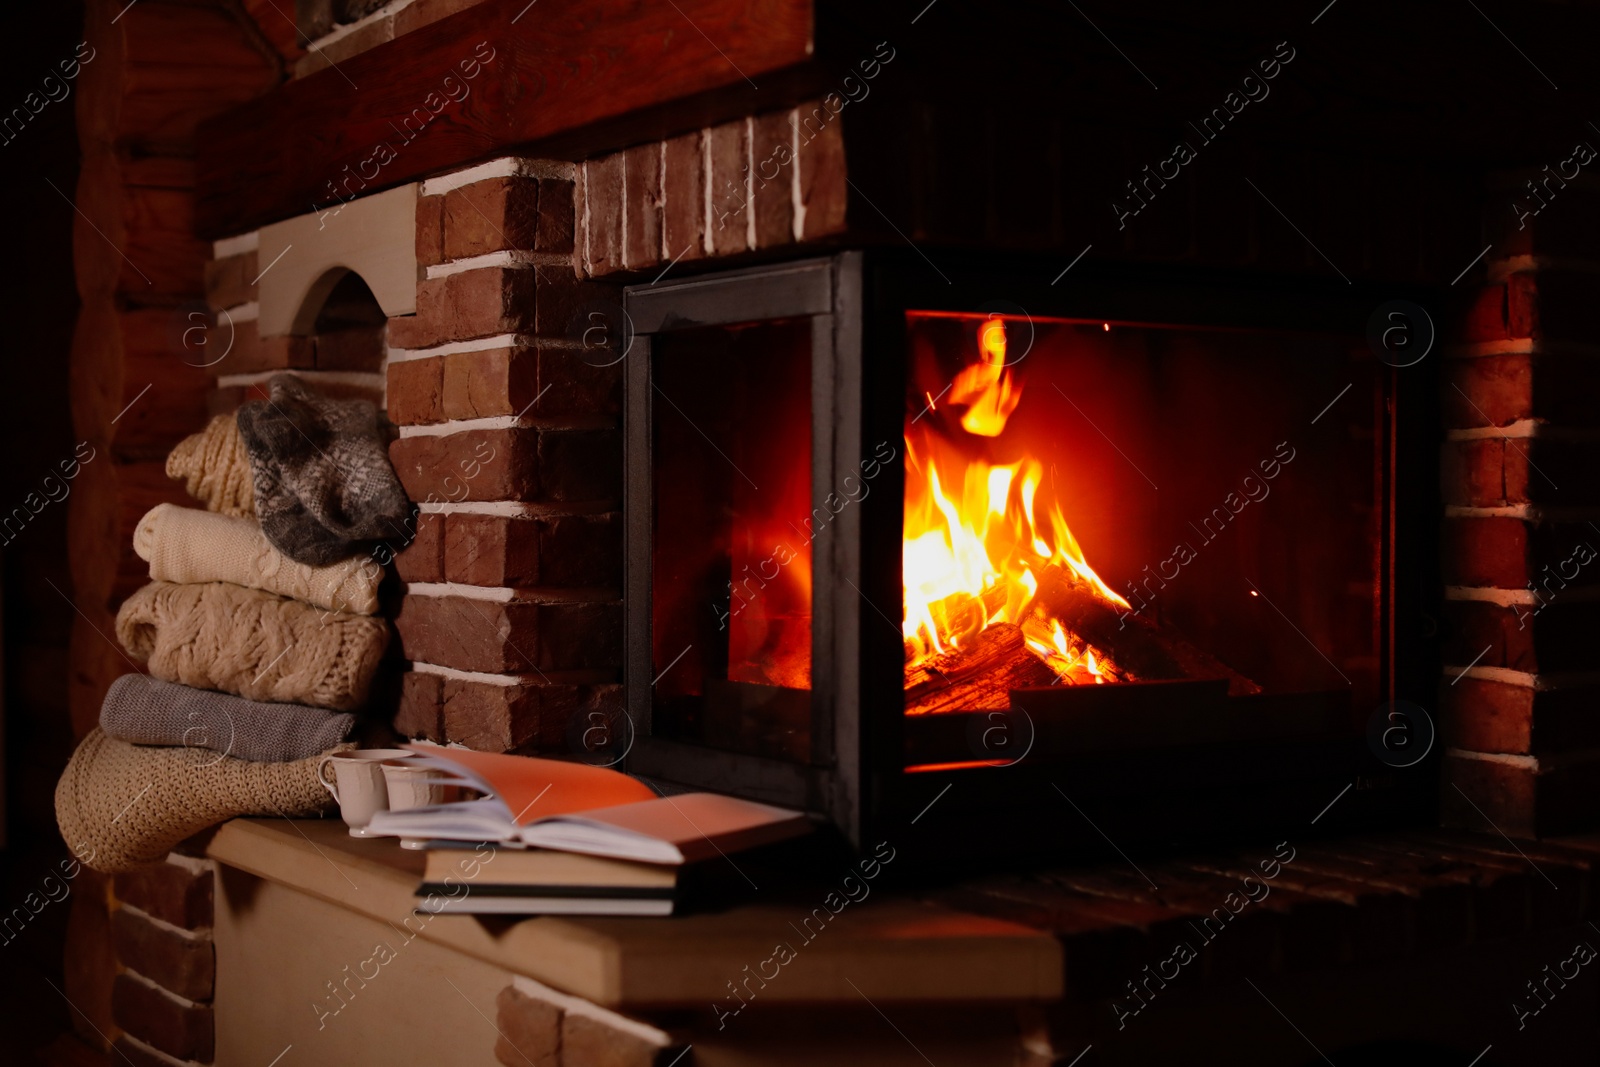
(258, 629)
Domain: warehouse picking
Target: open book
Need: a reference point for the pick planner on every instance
(576, 808)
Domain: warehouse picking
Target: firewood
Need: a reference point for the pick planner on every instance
(978, 677)
(1140, 648)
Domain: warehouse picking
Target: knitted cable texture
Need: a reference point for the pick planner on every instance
(188, 546)
(215, 467)
(324, 486)
(253, 644)
(143, 710)
(120, 805)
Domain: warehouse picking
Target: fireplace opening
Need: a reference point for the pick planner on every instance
(731, 612)
(1143, 528)
(1097, 504)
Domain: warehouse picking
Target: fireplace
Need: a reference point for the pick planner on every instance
(890, 532)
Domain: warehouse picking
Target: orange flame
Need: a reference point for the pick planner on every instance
(974, 546)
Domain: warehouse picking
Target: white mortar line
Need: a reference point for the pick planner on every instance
(480, 344)
(1524, 679)
(159, 988)
(505, 508)
(1507, 758)
(750, 181)
(249, 312)
(795, 199)
(236, 246)
(201, 934)
(1523, 346)
(505, 167)
(1506, 511)
(1520, 597)
(474, 676)
(496, 594)
(192, 864)
(340, 32)
(1519, 428)
(705, 168)
(528, 987)
(490, 422)
(513, 260)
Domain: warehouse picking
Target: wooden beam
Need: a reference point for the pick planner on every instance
(502, 75)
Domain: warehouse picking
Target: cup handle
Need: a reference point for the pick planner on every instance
(322, 778)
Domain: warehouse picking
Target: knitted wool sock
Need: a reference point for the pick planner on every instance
(120, 805)
(143, 710)
(187, 546)
(215, 468)
(254, 644)
(324, 486)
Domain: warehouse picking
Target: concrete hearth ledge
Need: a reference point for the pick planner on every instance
(883, 949)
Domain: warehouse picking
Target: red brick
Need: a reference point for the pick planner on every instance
(1498, 390)
(229, 281)
(492, 382)
(588, 1040)
(471, 465)
(568, 384)
(492, 550)
(185, 965)
(169, 892)
(1553, 305)
(1557, 636)
(1486, 552)
(580, 551)
(490, 216)
(423, 559)
(565, 302)
(469, 304)
(683, 195)
(729, 154)
(823, 188)
(530, 1030)
(421, 711)
(641, 241)
(492, 718)
(430, 229)
(250, 353)
(772, 153)
(1474, 473)
(424, 12)
(556, 216)
(415, 391)
(1520, 801)
(1485, 316)
(1488, 716)
(358, 349)
(580, 465)
(497, 637)
(187, 1032)
(1568, 227)
(602, 193)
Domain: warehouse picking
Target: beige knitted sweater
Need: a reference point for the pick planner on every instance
(187, 546)
(121, 805)
(253, 644)
(215, 467)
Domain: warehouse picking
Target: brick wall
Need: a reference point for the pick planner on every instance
(161, 931)
(1521, 544)
(510, 443)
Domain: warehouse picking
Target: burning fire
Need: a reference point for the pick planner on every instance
(979, 541)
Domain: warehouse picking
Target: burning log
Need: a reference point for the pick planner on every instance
(1142, 649)
(979, 677)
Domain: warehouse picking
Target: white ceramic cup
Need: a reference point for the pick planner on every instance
(414, 786)
(358, 784)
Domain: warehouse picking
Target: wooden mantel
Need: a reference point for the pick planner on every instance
(499, 75)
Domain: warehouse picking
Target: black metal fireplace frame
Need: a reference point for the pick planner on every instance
(856, 301)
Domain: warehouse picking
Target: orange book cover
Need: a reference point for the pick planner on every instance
(533, 788)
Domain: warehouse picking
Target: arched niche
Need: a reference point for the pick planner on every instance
(305, 258)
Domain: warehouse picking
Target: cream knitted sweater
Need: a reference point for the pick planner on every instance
(121, 805)
(253, 644)
(188, 546)
(215, 467)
